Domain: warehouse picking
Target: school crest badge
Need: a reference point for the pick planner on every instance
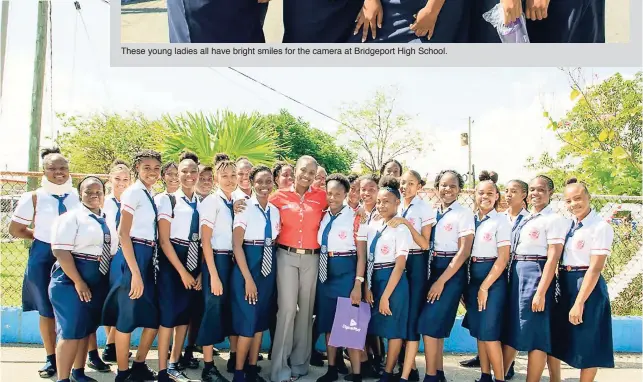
(487, 236)
(342, 235)
(385, 249)
(448, 227)
(534, 234)
(580, 244)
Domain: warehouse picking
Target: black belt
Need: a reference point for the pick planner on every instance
(342, 254)
(261, 243)
(84, 256)
(416, 251)
(377, 266)
(529, 257)
(222, 252)
(444, 254)
(483, 259)
(184, 243)
(571, 268)
(149, 243)
(299, 251)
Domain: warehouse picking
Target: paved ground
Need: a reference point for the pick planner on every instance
(146, 21)
(19, 363)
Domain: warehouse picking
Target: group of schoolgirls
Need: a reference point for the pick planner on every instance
(385, 21)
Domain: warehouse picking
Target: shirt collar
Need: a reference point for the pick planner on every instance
(545, 211)
(140, 185)
(89, 212)
(253, 200)
(292, 189)
(588, 219)
(220, 193)
(454, 206)
(491, 214)
(180, 194)
(416, 199)
(340, 211)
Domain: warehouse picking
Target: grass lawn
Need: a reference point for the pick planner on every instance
(13, 260)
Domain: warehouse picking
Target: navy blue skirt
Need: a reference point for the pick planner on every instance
(394, 326)
(526, 330)
(437, 319)
(589, 344)
(340, 283)
(216, 21)
(251, 319)
(486, 325)
(570, 21)
(76, 319)
(35, 285)
(174, 300)
(452, 25)
(416, 273)
(125, 313)
(320, 21)
(116, 267)
(216, 323)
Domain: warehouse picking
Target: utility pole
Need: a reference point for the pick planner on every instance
(3, 40)
(38, 89)
(471, 180)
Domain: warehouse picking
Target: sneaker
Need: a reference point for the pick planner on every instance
(473, 362)
(48, 370)
(98, 365)
(212, 375)
(142, 372)
(178, 376)
(317, 359)
(511, 372)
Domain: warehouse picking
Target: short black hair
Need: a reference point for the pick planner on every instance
(80, 184)
(256, 170)
(391, 182)
(204, 168)
(145, 154)
(49, 150)
(454, 173)
(167, 166)
(490, 176)
(372, 177)
(343, 180)
(352, 177)
(222, 161)
(277, 168)
(219, 157)
(417, 176)
(391, 161)
(189, 155)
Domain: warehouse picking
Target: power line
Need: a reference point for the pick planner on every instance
(287, 96)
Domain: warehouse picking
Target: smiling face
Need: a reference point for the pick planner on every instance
(149, 171)
(577, 200)
(188, 173)
(171, 179)
(353, 194)
(486, 196)
(392, 169)
(448, 188)
(409, 185)
(515, 195)
(262, 184)
(286, 177)
(91, 194)
(119, 180)
(305, 172)
(205, 183)
(387, 204)
(243, 174)
(368, 191)
(56, 168)
(335, 195)
(320, 178)
(227, 179)
(539, 193)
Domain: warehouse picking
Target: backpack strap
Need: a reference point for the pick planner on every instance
(172, 202)
(34, 201)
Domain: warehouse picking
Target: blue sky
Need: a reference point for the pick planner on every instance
(505, 103)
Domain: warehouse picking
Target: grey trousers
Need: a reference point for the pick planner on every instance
(296, 287)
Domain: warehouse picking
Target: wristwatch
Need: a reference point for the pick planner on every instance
(361, 279)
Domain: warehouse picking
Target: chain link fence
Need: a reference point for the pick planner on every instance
(623, 270)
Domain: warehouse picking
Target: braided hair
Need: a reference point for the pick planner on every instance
(277, 168)
(571, 181)
(399, 165)
(222, 161)
(145, 154)
(189, 155)
(341, 179)
(459, 177)
(550, 185)
(256, 170)
(90, 177)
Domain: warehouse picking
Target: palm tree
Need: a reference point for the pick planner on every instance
(225, 132)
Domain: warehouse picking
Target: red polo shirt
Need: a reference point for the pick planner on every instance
(300, 217)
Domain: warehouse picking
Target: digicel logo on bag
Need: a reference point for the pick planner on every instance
(353, 326)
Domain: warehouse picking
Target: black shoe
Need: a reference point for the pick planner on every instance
(212, 375)
(49, 369)
(442, 378)
(316, 359)
(80, 377)
(230, 366)
(330, 376)
(414, 376)
(473, 362)
(109, 356)
(142, 372)
(187, 360)
(178, 376)
(260, 357)
(511, 372)
(98, 365)
(247, 367)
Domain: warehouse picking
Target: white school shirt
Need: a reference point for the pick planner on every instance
(393, 243)
(238, 194)
(456, 223)
(135, 201)
(492, 233)
(594, 238)
(214, 213)
(180, 224)
(547, 228)
(77, 231)
(342, 235)
(110, 209)
(46, 211)
(420, 214)
(254, 222)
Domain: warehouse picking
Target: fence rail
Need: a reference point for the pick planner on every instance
(621, 272)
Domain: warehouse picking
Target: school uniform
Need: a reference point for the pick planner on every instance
(437, 318)
(385, 245)
(238, 194)
(420, 214)
(526, 330)
(216, 21)
(112, 211)
(337, 262)
(492, 232)
(319, 21)
(589, 344)
(452, 24)
(570, 21)
(120, 310)
(261, 229)
(35, 283)
(174, 298)
(92, 244)
(216, 212)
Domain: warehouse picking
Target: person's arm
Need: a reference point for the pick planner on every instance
(401, 252)
(208, 214)
(556, 232)
(129, 202)
(238, 233)
(22, 218)
(360, 270)
(426, 18)
(165, 227)
(63, 237)
(503, 242)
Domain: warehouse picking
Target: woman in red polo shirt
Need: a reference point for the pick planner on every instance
(301, 208)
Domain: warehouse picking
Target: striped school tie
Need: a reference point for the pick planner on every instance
(266, 260)
(371, 256)
(438, 217)
(106, 254)
(193, 249)
(155, 253)
(323, 259)
(61, 203)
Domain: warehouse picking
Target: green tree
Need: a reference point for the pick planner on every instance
(226, 132)
(298, 138)
(377, 132)
(601, 136)
(94, 142)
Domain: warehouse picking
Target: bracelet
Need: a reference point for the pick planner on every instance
(359, 278)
